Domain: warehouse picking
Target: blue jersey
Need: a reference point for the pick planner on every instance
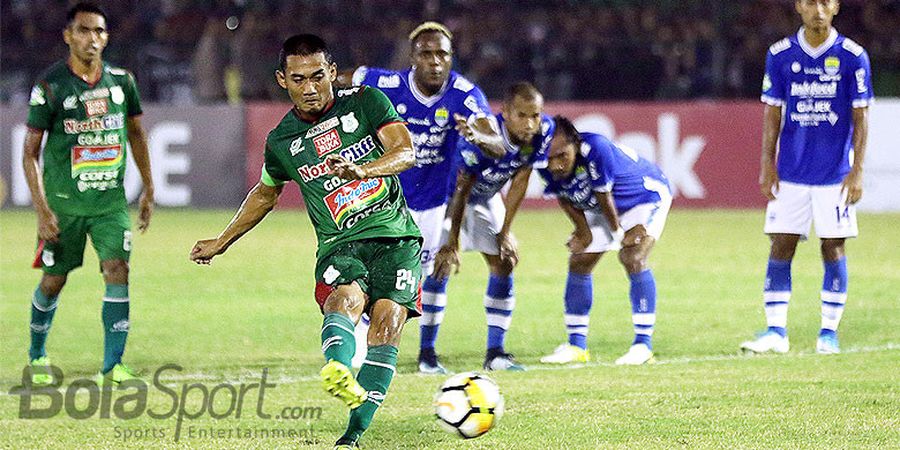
(430, 121)
(491, 174)
(601, 166)
(818, 88)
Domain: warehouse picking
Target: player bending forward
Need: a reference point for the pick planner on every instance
(617, 201)
(817, 89)
(344, 149)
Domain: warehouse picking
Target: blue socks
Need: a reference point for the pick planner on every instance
(579, 298)
(499, 302)
(643, 306)
(434, 300)
(834, 295)
(777, 294)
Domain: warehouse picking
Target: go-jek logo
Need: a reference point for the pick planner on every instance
(354, 197)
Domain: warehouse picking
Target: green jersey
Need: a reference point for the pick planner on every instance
(341, 211)
(84, 158)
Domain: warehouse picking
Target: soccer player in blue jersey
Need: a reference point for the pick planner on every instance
(477, 210)
(430, 97)
(817, 89)
(617, 201)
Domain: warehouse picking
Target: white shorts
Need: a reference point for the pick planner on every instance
(797, 206)
(431, 224)
(481, 225)
(651, 215)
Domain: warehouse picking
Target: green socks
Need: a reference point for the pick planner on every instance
(42, 310)
(375, 377)
(338, 342)
(115, 324)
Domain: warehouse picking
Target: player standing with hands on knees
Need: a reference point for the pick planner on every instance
(817, 89)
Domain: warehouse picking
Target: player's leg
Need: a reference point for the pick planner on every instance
(788, 219)
(111, 237)
(342, 309)
(56, 259)
(642, 294)
(834, 221)
(578, 300)
(395, 275)
(434, 291)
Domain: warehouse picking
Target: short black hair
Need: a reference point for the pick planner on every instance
(522, 89)
(566, 128)
(85, 7)
(303, 45)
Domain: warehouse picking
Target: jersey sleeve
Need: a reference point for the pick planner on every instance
(600, 159)
(273, 173)
(132, 98)
(378, 110)
(40, 107)
(368, 76)
(475, 103)
(862, 82)
(471, 157)
(541, 153)
(773, 90)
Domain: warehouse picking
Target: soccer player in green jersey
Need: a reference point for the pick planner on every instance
(88, 109)
(344, 148)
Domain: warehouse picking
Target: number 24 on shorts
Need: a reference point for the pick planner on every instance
(406, 280)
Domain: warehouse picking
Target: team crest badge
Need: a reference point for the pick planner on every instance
(441, 116)
(296, 146)
(832, 65)
(117, 95)
(349, 123)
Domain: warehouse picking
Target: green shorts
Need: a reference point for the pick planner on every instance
(110, 235)
(384, 268)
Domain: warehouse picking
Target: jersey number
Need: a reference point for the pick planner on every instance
(845, 214)
(406, 280)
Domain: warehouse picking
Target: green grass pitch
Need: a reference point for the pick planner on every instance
(253, 309)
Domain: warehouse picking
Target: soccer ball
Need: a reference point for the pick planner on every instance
(468, 404)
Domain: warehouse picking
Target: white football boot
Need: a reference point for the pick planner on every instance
(638, 354)
(567, 354)
(769, 341)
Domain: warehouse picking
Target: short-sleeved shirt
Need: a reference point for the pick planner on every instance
(430, 120)
(492, 174)
(601, 166)
(341, 211)
(818, 88)
(84, 158)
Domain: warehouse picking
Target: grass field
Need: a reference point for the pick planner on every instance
(253, 309)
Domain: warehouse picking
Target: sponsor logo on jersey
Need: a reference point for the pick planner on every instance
(96, 107)
(423, 122)
(296, 146)
(767, 83)
(355, 197)
(71, 102)
(37, 96)
(861, 81)
(401, 108)
(92, 158)
(349, 123)
(346, 92)
(795, 67)
(389, 81)
(832, 65)
(814, 89)
(94, 94)
(441, 116)
(352, 153)
(322, 127)
(472, 104)
(117, 95)
(327, 142)
(108, 122)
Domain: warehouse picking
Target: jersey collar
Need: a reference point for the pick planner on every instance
(428, 101)
(311, 120)
(815, 52)
(90, 83)
(507, 141)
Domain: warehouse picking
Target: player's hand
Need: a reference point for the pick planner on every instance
(445, 262)
(145, 210)
(579, 240)
(204, 251)
(345, 169)
(768, 182)
(509, 249)
(852, 187)
(48, 227)
(634, 236)
(462, 126)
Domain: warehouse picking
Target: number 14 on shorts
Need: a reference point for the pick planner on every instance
(842, 214)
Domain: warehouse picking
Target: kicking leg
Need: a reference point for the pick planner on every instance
(342, 309)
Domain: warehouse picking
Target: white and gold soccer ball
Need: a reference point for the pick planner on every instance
(468, 404)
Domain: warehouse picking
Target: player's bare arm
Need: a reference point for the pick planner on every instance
(852, 184)
(447, 258)
(398, 156)
(509, 252)
(483, 133)
(768, 174)
(260, 200)
(137, 137)
(48, 228)
(608, 207)
(581, 237)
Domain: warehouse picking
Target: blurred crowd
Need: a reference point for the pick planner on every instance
(211, 51)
